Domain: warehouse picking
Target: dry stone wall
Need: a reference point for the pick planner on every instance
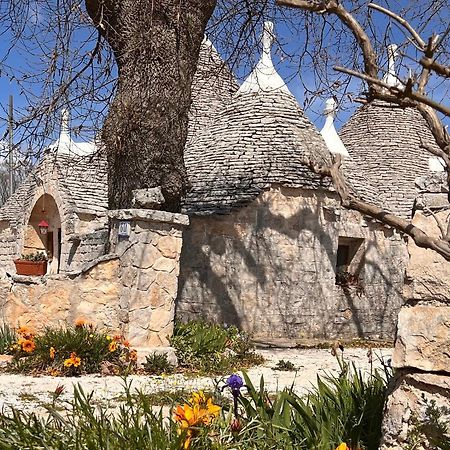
(270, 268)
(422, 350)
(131, 290)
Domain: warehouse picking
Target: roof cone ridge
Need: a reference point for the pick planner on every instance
(390, 77)
(264, 77)
(329, 133)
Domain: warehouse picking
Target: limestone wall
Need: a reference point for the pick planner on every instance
(422, 350)
(58, 300)
(270, 268)
(84, 249)
(8, 250)
(131, 290)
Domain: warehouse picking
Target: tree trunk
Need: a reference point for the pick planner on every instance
(156, 44)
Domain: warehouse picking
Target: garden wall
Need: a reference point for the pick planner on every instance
(131, 290)
(270, 268)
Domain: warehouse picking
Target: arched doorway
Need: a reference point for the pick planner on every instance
(45, 209)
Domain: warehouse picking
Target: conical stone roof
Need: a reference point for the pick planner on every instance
(383, 141)
(259, 139)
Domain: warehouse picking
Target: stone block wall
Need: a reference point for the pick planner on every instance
(131, 290)
(8, 251)
(85, 248)
(422, 350)
(270, 269)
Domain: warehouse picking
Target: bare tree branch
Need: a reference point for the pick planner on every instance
(402, 22)
(407, 92)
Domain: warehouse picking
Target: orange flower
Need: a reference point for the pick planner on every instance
(52, 352)
(80, 323)
(27, 345)
(25, 332)
(126, 344)
(74, 360)
(200, 411)
(112, 346)
(133, 355)
(118, 337)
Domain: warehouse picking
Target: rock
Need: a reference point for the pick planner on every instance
(5, 360)
(423, 339)
(428, 274)
(409, 406)
(151, 198)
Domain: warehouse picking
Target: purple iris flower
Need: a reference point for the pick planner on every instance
(235, 383)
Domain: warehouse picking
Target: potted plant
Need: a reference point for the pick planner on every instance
(34, 264)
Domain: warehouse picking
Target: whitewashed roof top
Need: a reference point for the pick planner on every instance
(264, 77)
(329, 133)
(65, 145)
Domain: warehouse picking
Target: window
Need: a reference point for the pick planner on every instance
(349, 261)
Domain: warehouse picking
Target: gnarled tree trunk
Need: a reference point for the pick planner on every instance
(156, 44)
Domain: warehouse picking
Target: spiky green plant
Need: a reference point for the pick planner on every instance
(7, 339)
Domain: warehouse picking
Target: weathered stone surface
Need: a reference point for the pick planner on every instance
(423, 339)
(270, 268)
(407, 408)
(428, 274)
(5, 360)
(169, 246)
(148, 215)
(151, 198)
(145, 255)
(165, 265)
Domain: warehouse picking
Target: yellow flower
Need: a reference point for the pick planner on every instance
(74, 360)
(112, 346)
(197, 412)
(27, 345)
(344, 446)
(91, 335)
(52, 352)
(108, 338)
(54, 372)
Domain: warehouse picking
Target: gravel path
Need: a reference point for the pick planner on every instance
(33, 393)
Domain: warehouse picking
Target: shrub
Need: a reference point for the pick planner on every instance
(38, 256)
(157, 364)
(7, 339)
(212, 348)
(70, 351)
(285, 366)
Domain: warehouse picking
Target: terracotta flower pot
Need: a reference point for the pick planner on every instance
(30, 268)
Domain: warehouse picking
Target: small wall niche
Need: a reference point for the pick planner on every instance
(349, 261)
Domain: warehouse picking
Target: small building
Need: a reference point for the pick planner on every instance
(269, 247)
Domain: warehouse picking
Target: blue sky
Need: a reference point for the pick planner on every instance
(286, 53)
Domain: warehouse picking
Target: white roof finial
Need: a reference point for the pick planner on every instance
(391, 77)
(329, 133)
(264, 76)
(64, 134)
(65, 145)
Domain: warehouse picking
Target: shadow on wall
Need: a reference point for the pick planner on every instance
(275, 275)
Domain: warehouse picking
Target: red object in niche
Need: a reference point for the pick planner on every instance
(43, 226)
(31, 268)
